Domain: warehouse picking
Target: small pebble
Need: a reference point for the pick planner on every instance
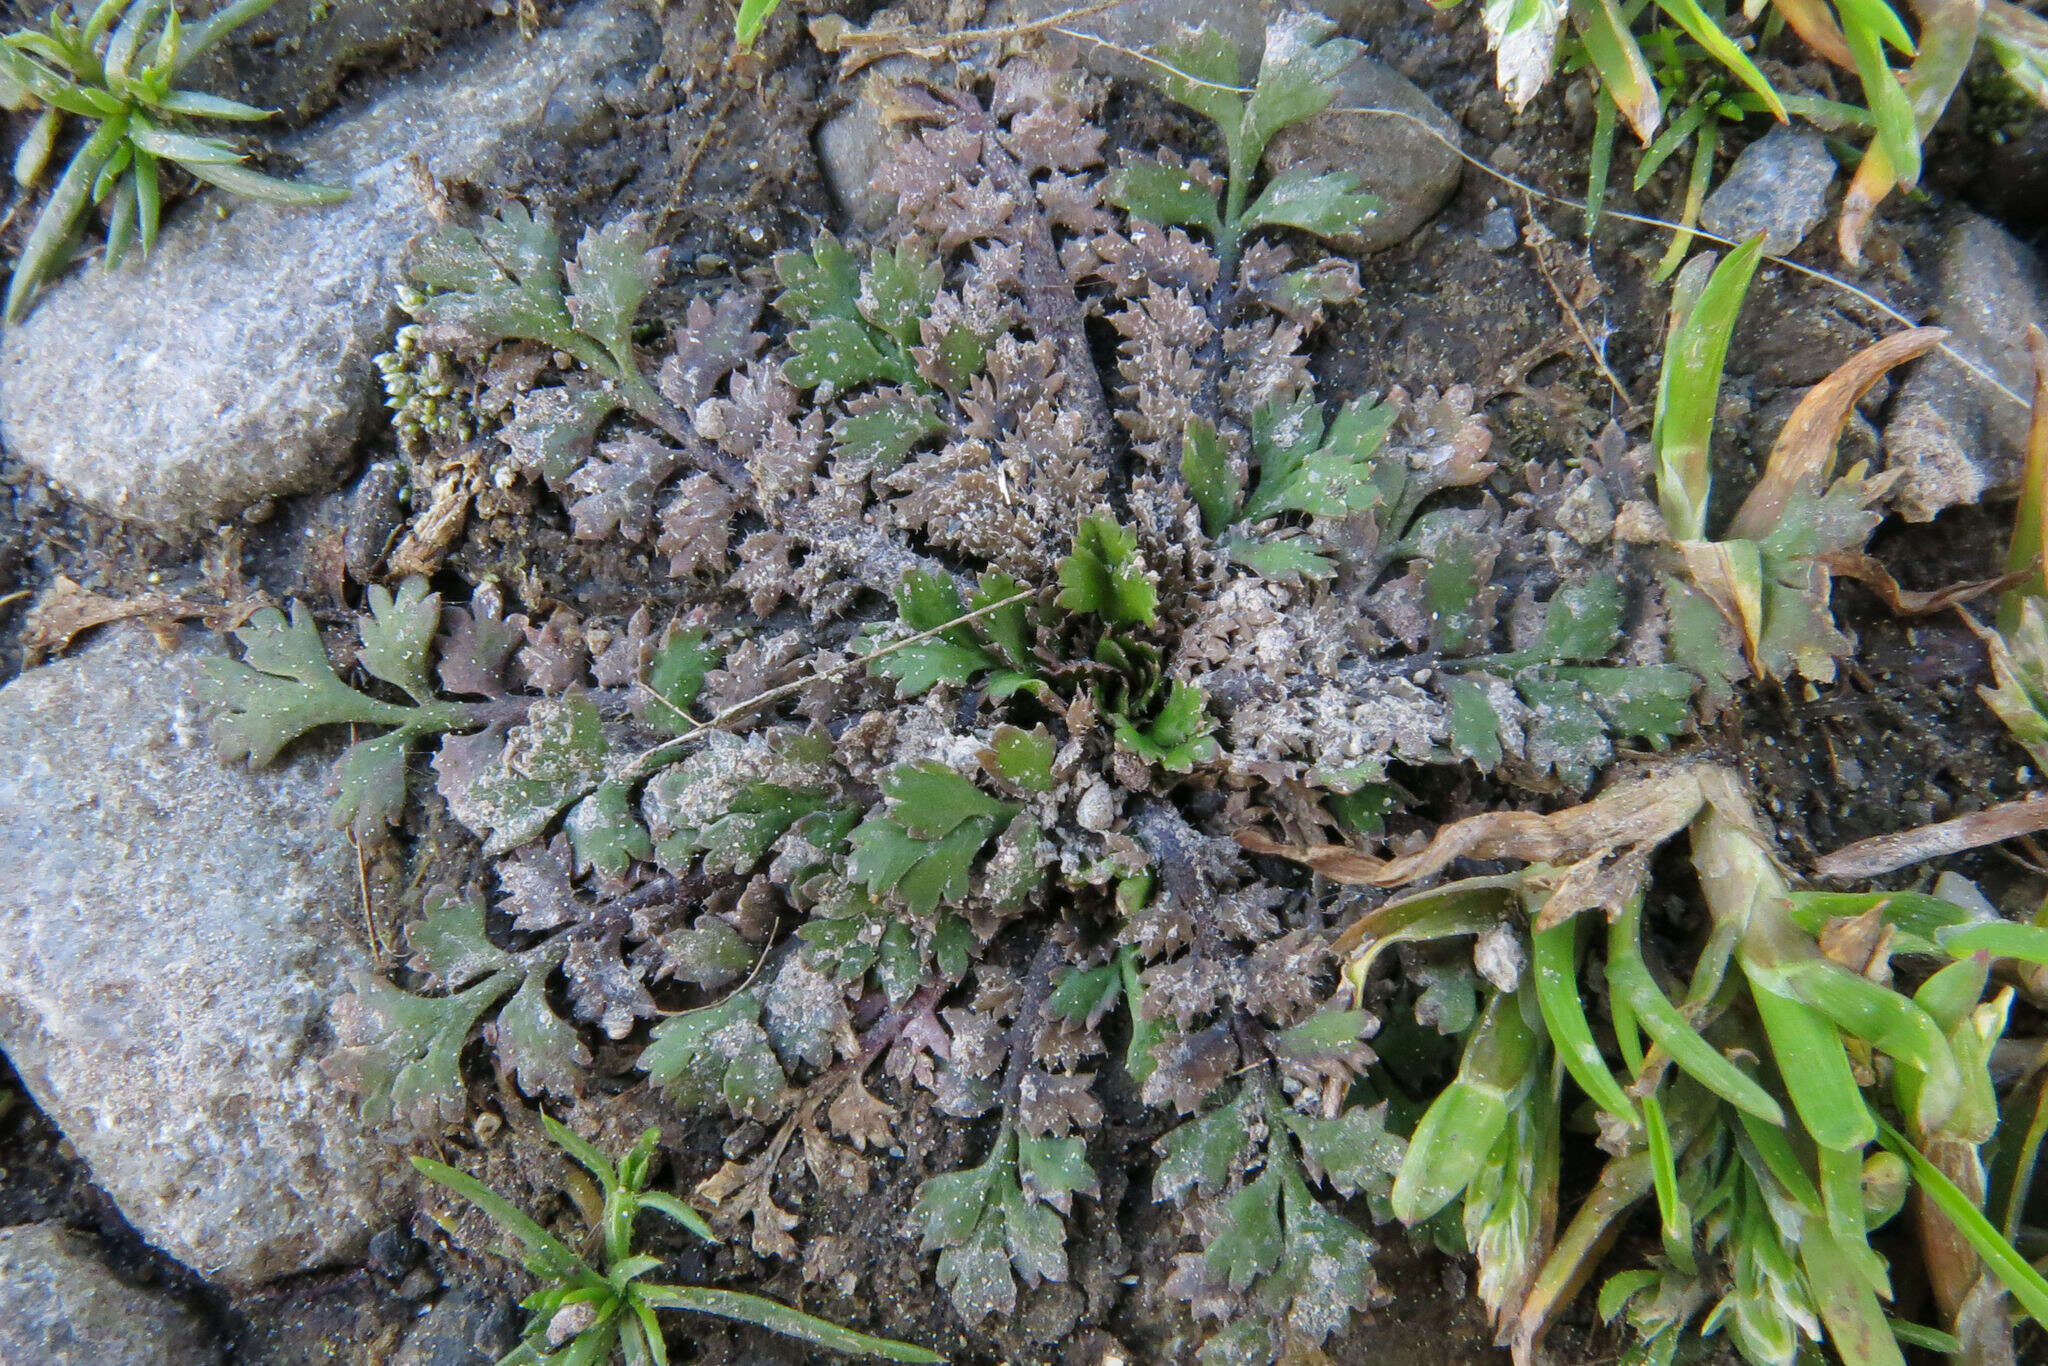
(1498, 232)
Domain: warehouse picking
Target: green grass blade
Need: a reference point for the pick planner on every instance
(780, 1318)
(1628, 976)
(1690, 386)
(1669, 141)
(120, 224)
(681, 1213)
(511, 1218)
(1705, 146)
(127, 39)
(584, 1151)
(1456, 1134)
(1704, 31)
(1889, 1022)
(47, 250)
(752, 18)
(1625, 76)
(1885, 97)
(2012, 1270)
(149, 199)
(2003, 939)
(1675, 1216)
(1810, 1055)
(256, 185)
(1855, 1321)
(1554, 957)
(1601, 160)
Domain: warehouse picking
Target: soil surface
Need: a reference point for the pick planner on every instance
(724, 162)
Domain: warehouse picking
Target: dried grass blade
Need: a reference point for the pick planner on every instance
(1888, 853)
(1804, 454)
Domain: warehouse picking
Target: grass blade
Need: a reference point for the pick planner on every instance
(1628, 976)
(1457, 1133)
(1690, 386)
(780, 1318)
(1624, 74)
(1706, 145)
(562, 1260)
(1554, 957)
(1704, 31)
(216, 26)
(256, 185)
(2012, 1270)
(47, 249)
(1601, 160)
(1810, 1049)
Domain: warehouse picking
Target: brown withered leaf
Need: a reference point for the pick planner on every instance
(1889, 853)
(742, 1190)
(604, 988)
(696, 527)
(1867, 570)
(618, 486)
(1803, 457)
(861, 1119)
(477, 644)
(66, 611)
(1643, 811)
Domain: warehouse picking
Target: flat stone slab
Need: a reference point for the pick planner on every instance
(234, 364)
(1955, 436)
(172, 931)
(60, 1306)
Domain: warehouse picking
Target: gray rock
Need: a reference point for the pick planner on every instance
(854, 143)
(1957, 438)
(1411, 170)
(1498, 232)
(60, 1306)
(234, 364)
(463, 1328)
(171, 935)
(1777, 187)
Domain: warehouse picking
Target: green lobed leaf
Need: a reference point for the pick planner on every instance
(1327, 204)
(399, 1051)
(547, 763)
(606, 832)
(1205, 465)
(1178, 737)
(1164, 194)
(398, 633)
(1106, 576)
(450, 945)
(718, 1053)
(1583, 620)
(615, 267)
(1309, 466)
(539, 1048)
(1298, 78)
(676, 676)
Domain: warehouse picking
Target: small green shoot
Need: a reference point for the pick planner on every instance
(115, 73)
(585, 1315)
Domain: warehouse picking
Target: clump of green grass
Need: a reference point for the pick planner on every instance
(116, 74)
(584, 1315)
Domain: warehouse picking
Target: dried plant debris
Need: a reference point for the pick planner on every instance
(925, 801)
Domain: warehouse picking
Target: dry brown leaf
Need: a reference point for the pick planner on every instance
(1804, 453)
(68, 610)
(1646, 811)
(1868, 571)
(1888, 853)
